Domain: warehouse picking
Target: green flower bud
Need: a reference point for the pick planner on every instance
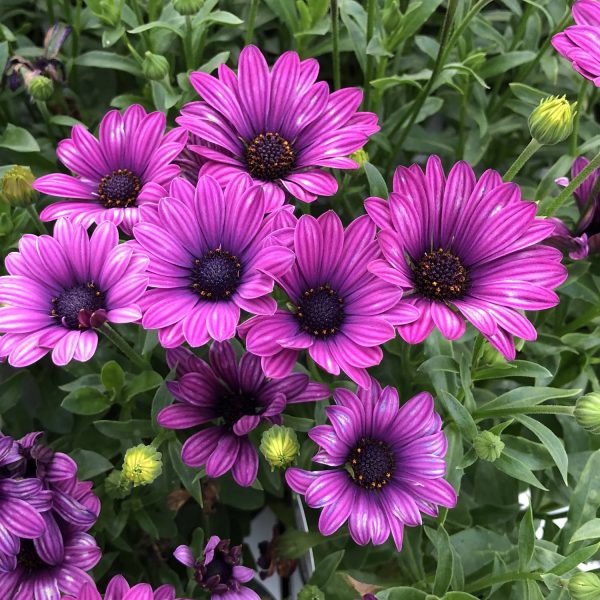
(142, 465)
(584, 586)
(551, 121)
(15, 186)
(311, 592)
(187, 7)
(360, 156)
(587, 412)
(488, 446)
(116, 486)
(155, 66)
(40, 88)
(279, 446)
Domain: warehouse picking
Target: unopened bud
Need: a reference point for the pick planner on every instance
(187, 7)
(40, 88)
(15, 186)
(311, 592)
(279, 446)
(142, 465)
(155, 66)
(551, 121)
(488, 446)
(587, 412)
(584, 586)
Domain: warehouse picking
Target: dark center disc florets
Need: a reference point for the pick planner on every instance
(372, 463)
(119, 189)
(320, 311)
(71, 301)
(216, 275)
(269, 156)
(28, 558)
(439, 275)
(235, 406)
(219, 566)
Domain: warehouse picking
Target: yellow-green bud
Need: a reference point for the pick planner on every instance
(311, 592)
(584, 586)
(360, 156)
(155, 66)
(40, 88)
(279, 446)
(15, 186)
(187, 7)
(551, 121)
(488, 446)
(587, 412)
(142, 465)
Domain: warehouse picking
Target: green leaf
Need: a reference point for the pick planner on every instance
(550, 440)
(18, 139)
(326, 568)
(573, 560)
(108, 60)
(232, 494)
(223, 18)
(215, 61)
(146, 523)
(162, 399)
(133, 429)
(3, 55)
(459, 414)
(505, 62)
(517, 469)
(144, 382)
(523, 397)
(90, 464)
(377, 185)
(526, 539)
(85, 401)
(459, 596)
(186, 474)
(401, 593)
(298, 423)
(112, 376)
(445, 561)
(294, 544)
(588, 531)
(516, 368)
(177, 30)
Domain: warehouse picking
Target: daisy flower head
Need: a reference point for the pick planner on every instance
(119, 589)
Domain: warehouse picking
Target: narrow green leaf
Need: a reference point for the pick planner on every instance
(515, 468)
(571, 561)
(459, 414)
(377, 185)
(108, 60)
(326, 568)
(445, 562)
(133, 429)
(526, 539)
(90, 464)
(588, 531)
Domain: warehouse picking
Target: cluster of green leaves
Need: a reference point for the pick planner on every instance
(458, 79)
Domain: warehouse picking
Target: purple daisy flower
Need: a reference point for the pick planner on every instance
(219, 570)
(586, 238)
(127, 167)
(60, 288)
(580, 43)
(212, 253)
(437, 246)
(239, 396)
(280, 127)
(342, 313)
(118, 589)
(388, 465)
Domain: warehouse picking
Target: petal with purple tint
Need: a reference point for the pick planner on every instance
(224, 456)
(245, 467)
(200, 446)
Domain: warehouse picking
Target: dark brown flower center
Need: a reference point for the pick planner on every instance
(71, 301)
(439, 275)
(119, 189)
(28, 558)
(218, 566)
(269, 156)
(216, 275)
(233, 407)
(320, 311)
(372, 463)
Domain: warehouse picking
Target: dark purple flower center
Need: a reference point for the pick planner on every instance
(218, 566)
(270, 156)
(320, 311)
(439, 275)
(372, 463)
(235, 406)
(28, 557)
(119, 189)
(73, 300)
(216, 275)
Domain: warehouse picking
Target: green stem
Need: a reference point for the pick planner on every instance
(553, 204)
(486, 582)
(39, 225)
(188, 41)
(519, 163)
(121, 343)
(575, 135)
(132, 50)
(335, 46)
(542, 409)
(251, 21)
(370, 58)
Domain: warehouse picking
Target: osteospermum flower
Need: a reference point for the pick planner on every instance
(585, 239)
(341, 312)
(219, 570)
(128, 166)
(210, 257)
(235, 399)
(280, 127)
(580, 43)
(118, 589)
(60, 288)
(388, 465)
(458, 243)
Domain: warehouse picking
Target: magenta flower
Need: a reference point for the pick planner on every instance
(219, 570)
(459, 243)
(118, 589)
(127, 167)
(211, 255)
(61, 287)
(586, 238)
(388, 465)
(56, 558)
(341, 312)
(580, 43)
(239, 397)
(280, 127)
